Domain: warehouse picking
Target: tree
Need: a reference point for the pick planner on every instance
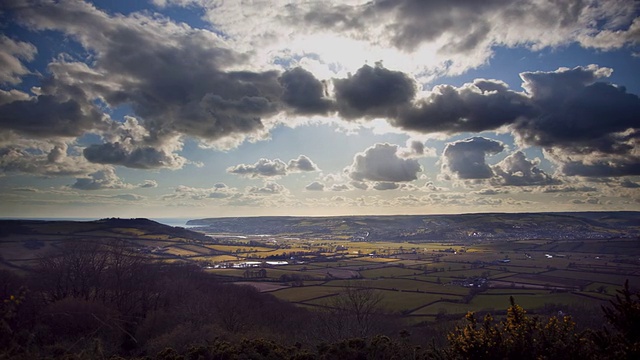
(624, 316)
(517, 337)
(352, 313)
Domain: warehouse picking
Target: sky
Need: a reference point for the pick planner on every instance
(211, 108)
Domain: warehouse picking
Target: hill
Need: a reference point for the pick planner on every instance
(23, 242)
(553, 226)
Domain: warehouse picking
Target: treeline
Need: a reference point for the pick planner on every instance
(102, 300)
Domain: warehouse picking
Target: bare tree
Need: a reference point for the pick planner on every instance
(352, 313)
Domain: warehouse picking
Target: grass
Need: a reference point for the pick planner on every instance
(305, 293)
(614, 279)
(389, 272)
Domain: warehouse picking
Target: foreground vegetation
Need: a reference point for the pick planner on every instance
(103, 305)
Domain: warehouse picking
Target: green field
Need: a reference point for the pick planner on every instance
(418, 280)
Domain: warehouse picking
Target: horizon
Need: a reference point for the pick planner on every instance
(163, 107)
(169, 220)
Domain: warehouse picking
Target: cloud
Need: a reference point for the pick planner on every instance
(148, 184)
(383, 185)
(473, 107)
(465, 159)
(44, 159)
(588, 201)
(12, 95)
(218, 191)
(269, 188)
(130, 144)
(315, 186)
(274, 168)
(302, 164)
(179, 83)
(262, 168)
(572, 106)
(47, 116)
(517, 170)
(416, 149)
(561, 111)
(304, 93)
(382, 163)
(339, 187)
(566, 188)
(99, 180)
(626, 183)
(359, 185)
(12, 53)
(465, 32)
(373, 92)
(570, 127)
(430, 186)
(139, 158)
(128, 197)
(490, 191)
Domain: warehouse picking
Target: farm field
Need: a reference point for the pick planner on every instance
(438, 280)
(418, 280)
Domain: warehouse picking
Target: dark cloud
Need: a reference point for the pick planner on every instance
(596, 165)
(561, 111)
(572, 128)
(572, 108)
(517, 170)
(315, 186)
(47, 116)
(465, 159)
(304, 93)
(171, 75)
(138, 158)
(262, 168)
(475, 107)
(359, 185)
(382, 163)
(131, 145)
(383, 185)
(302, 163)
(626, 183)
(373, 92)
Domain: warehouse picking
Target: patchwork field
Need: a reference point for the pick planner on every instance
(420, 280)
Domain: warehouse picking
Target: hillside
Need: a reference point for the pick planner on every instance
(23, 242)
(587, 225)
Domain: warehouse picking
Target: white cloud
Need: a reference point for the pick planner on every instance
(100, 180)
(12, 53)
(262, 168)
(382, 163)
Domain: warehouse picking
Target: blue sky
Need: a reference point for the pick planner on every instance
(186, 108)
